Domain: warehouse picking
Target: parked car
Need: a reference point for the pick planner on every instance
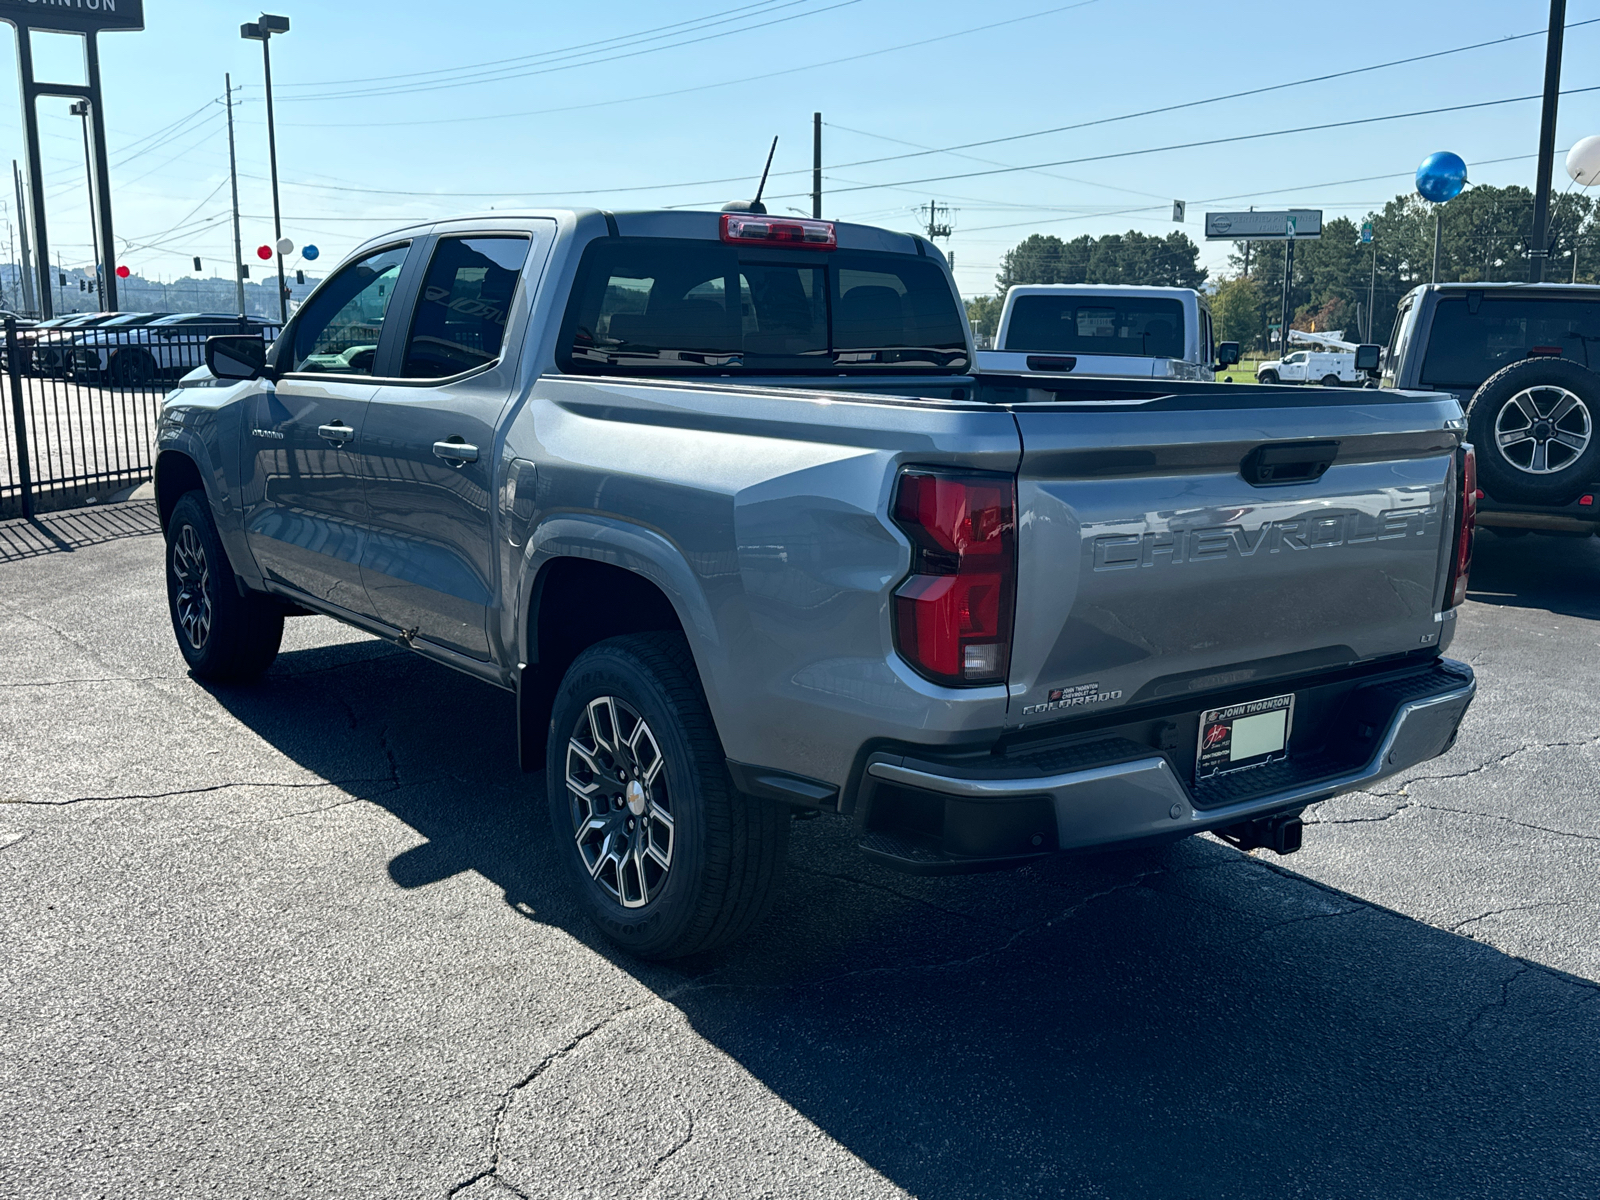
(1103, 329)
(1329, 368)
(37, 347)
(166, 346)
(1522, 360)
(719, 498)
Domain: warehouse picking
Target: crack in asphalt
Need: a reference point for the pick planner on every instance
(194, 791)
(1276, 925)
(1500, 912)
(42, 683)
(1505, 999)
(508, 1097)
(679, 1145)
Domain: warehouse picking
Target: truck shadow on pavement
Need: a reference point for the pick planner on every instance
(1177, 1023)
(1557, 574)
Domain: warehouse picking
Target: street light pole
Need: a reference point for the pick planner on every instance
(81, 109)
(262, 32)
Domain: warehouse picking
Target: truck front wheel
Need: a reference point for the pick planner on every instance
(224, 636)
(1267, 377)
(668, 858)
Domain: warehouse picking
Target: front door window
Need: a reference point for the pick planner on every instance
(338, 332)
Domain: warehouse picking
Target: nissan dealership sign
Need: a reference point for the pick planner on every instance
(1264, 226)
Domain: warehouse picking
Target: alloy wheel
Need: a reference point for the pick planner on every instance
(617, 794)
(193, 575)
(1543, 430)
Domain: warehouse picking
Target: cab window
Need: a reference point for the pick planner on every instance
(337, 332)
(466, 297)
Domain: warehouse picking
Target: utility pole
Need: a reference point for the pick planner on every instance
(816, 165)
(233, 176)
(61, 275)
(1539, 249)
(29, 298)
(1288, 281)
(936, 210)
(1372, 293)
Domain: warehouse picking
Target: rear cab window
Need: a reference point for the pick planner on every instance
(680, 306)
(1139, 327)
(1474, 335)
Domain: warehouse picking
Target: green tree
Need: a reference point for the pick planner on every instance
(983, 314)
(1125, 258)
(1237, 307)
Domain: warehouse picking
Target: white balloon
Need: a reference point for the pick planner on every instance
(285, 246)
(1583, 161)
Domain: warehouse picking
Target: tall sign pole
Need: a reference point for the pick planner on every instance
(233, 176)
(29, 283)
(88, 21)
(262, 32)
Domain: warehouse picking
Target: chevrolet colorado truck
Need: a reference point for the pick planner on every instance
(719, 497)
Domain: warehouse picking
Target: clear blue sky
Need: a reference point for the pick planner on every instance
(600, 99)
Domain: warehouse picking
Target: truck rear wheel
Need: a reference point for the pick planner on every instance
(668, 858)
(224, 636)
(1533, 424)
(1330, 381)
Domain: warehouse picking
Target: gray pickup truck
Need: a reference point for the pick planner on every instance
(720, 498)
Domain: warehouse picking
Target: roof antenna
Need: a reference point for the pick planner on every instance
(755, 206)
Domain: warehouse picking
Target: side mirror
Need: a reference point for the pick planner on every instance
(1368, 356)
(1227, 353)
(236, 356)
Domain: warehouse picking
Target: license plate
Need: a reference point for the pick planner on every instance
(1244, 735)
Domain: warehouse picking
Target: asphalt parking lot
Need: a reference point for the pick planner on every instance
(308, 938)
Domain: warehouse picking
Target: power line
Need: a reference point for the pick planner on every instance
(550, 70)
(762, 78)
(1221, 141)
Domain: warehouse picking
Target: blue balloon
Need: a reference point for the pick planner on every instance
(312, 251)
(1441, 177)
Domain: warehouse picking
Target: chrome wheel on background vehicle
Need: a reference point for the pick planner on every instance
(193, 602)
(1542, 430)
(617, 793)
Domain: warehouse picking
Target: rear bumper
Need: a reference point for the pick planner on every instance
(1143, 796)
(1576, 517)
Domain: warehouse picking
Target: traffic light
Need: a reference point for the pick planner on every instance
(299, 276)
(83, 285)
(244, 270)
(63, 278)
(196, 262)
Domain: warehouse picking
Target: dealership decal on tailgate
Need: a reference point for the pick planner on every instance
(1243, 735)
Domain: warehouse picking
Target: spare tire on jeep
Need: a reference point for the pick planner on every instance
(1533, 424)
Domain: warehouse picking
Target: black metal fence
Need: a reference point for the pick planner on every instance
(82, 403)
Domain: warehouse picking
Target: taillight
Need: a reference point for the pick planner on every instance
(952, 616)
(1466, 522)
(779, 231)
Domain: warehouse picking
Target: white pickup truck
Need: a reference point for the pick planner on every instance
(1329, 368)
(1106, 329)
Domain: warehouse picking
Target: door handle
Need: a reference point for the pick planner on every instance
(338, 432)
(456, 452)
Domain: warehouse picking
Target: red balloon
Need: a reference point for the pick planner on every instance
(122, 272)
(263, 252)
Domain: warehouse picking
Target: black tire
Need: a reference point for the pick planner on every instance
(724, 850)
(130, 367)
(1330, 381)
(225, 637)
(1267, 377)
(1557, 403)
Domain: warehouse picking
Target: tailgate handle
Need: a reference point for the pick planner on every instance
(1051, 362)
(1288, 462)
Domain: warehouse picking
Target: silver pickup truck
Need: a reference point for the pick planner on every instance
(719, 498)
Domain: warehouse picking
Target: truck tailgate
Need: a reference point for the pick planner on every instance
(1151, 568)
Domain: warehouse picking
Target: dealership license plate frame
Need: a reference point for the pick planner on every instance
(1213, 754)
